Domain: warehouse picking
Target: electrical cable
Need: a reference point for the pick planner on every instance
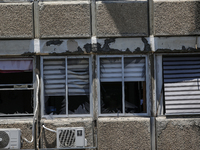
(49, 129)
(35, 112)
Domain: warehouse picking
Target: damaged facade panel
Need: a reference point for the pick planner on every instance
(123, 45)
(182, 133)
(49, 138)
(123, 133)
(176, 17)
(176, 44)
(16, 20)
(25, 125)
(122, 18)
(64, 19)
(65, 46)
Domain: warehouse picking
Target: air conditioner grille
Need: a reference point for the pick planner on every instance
(4, 139)
(67, 138)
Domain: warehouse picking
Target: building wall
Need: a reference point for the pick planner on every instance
(152, 28)
(123, 133)
(49, 138)
(25, 125)
(180, 133)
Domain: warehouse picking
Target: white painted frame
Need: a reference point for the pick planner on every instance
(34, 84)
(123, 96)
(66, 94)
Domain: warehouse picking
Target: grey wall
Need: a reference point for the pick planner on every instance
(26, 129)
(49, 138)
(177, 17)
(64, 19)
(16, 20)
(128, 18)
(123, 133)
(178, 133)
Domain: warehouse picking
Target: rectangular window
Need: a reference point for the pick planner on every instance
(181, 84)
(122, 85)
(67, 85)
(16, 86)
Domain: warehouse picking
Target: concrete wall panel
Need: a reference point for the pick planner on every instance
(124, 133)
(122, 18)
(16, 20)
(64, 19)
(177, 17)
(26, 129)
(175, 44)
(49, 138)
(179, 133)
(16, 47)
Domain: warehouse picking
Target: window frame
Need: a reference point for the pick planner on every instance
(147, 79)
(34, 85)
(161, 105)
(66, 87)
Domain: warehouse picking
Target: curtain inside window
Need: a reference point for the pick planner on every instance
(8, 66)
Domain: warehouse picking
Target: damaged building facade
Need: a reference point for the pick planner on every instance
(126, 71)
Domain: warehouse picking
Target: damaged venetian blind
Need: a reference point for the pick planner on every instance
(54, 77)
(78, 76)
(134, 69)
(181, 84)
(111, 69)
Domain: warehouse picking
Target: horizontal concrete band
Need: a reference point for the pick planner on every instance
(104, 45)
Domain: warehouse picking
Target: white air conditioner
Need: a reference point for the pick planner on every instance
(71, 137)
(10, 138)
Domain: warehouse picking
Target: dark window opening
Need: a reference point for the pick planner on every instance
(16, 78)
(78, 104)
(55, 105)
(16, 102)
(135, 97)
(111, 97)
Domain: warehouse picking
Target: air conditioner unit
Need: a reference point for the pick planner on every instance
(71, 137)
(10, 138)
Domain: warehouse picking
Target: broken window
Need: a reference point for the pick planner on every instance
(16, 86)
(66, 85)
(122, 85)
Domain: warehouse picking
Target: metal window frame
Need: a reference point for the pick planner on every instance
(147, 79)
(66, 94)
(34, 85)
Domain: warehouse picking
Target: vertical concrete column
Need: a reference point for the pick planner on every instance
(153, 98)
(94, 68)
(36, 19)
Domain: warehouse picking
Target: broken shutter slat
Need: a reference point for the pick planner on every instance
(130, 64)
(78, 76)
(181, 84)
(111, 70)
(54, 77)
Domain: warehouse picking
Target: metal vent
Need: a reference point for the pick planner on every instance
(67, 138)
(4, 139)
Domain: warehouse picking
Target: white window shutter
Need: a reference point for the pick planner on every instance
(78, 76)
(181, 84)
(134, 69)
(54, 77)
(111, 70)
